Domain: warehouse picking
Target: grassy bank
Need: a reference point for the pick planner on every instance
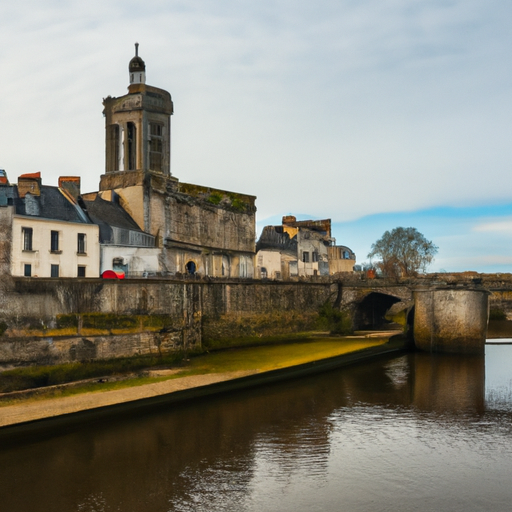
(31, 377)
(261, 358)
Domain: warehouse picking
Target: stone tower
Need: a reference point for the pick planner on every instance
(138, 147)
(138, 126)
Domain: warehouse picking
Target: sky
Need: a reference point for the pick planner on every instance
(374, 113)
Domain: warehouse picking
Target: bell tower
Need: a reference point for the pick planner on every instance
(138, 126)
(138, 150)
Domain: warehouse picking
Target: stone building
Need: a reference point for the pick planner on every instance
(198, 229)
(300, 248)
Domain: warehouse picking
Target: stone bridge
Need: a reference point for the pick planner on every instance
(443, 312)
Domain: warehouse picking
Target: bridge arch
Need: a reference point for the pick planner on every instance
(370, 312)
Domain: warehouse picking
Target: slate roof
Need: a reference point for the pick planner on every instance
(107, 214)
(51, 204)
(273, 237)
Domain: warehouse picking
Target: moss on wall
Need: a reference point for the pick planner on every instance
(256, 326)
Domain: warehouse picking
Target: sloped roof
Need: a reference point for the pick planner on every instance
(272, 237)
(51, 204)
(109, 214)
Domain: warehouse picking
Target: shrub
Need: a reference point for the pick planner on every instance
(334, 320)
(497, 314)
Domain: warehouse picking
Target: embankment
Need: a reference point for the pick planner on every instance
(48, 321)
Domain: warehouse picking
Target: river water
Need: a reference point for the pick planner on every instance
(409, 433)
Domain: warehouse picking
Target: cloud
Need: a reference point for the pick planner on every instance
(338, 109)
(501, 226)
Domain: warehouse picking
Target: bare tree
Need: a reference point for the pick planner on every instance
(403, 252)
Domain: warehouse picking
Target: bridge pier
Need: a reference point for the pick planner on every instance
(450, 319)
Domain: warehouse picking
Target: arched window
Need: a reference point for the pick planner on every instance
(191, 268)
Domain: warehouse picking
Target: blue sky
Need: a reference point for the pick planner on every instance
(375, 113)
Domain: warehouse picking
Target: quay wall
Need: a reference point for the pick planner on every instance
(48, 321)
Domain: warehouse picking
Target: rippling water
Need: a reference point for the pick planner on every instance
(417, 432)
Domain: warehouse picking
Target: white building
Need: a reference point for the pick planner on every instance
(51, 235)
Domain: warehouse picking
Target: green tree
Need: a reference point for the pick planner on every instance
(403, 252)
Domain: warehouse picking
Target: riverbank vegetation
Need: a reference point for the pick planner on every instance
(55, 381)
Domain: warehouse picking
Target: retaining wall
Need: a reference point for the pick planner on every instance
(48, 321)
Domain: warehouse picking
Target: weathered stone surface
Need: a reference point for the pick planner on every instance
(450, 320)
(168, 316)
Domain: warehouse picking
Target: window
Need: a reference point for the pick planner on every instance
(132, 146)
(315, 256)
(81, 271)
(155, 146)
(27, 271)
(81, 243)
(54, 272)
(54, 241)
(305, 256)
(113, 148)
(27, 239)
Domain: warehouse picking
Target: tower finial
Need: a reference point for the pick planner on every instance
(136, 49)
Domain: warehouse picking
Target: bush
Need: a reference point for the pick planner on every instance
(334, 320)
(67, 321)
(497, 314)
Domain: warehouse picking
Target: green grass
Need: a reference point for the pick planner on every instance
(19, 379)
(262, 358)
(271, 357)
(256, 341)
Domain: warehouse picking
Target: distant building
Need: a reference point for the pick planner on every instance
(300, 248)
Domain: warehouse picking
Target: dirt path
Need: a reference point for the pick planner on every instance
(14, 414)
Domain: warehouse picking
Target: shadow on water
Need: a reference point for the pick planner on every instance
(209, 451)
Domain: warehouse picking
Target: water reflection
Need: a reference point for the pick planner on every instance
(414, 432)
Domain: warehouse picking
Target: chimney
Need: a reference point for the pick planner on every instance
(70, 184)
(3, 177)
(289, 219)
(29, 184)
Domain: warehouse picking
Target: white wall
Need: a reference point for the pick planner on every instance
(138, 259)
(41, 258)
(271, 261)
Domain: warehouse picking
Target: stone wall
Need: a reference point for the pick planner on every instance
(49, 321)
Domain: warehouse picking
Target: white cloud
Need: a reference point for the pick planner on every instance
(502, 226)
(336, 108)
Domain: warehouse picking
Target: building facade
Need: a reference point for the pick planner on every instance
(50, 234)
(300, 249)
(198, 229)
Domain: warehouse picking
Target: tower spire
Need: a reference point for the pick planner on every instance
(137, 68)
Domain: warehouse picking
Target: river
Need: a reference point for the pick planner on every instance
(409, 433)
